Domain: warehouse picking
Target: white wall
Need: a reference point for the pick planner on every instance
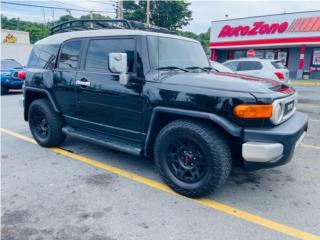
(18, 48)
(19, 52)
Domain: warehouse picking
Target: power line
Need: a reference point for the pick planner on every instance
(105, 2)
(50, 7)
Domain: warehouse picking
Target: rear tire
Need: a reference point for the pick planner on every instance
(45, 124)
(193, 158)
(4, 90)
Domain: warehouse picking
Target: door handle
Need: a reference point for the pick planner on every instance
(83, 83)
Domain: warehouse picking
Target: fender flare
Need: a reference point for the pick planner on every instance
(46, 92)
(230, 127)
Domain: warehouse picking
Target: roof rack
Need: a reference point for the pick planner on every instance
(94, 24)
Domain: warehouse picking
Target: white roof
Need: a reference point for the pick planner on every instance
(253, 59)
(61, 37)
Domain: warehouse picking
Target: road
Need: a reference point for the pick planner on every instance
(86, 191)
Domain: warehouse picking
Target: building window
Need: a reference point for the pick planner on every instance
(316, 57)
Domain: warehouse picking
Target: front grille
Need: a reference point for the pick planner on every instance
(289, 105)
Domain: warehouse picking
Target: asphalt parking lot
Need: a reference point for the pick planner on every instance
(86, 191)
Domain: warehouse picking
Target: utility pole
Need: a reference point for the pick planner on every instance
(68, 11)
(119, 9)
(91, 17)
(148, 13)
(54, 20)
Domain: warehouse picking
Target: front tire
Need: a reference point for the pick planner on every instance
(45, 124)
(192, 158)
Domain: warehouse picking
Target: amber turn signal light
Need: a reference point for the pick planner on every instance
(253, 111)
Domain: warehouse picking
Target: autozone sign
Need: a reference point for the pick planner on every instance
(279, 29)
(257, 28)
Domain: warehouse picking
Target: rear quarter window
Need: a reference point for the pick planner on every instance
(43, 56)
(249, 65)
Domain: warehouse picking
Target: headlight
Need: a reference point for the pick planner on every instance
(277, 113)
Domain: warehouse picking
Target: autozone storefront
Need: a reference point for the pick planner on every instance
(293, 38)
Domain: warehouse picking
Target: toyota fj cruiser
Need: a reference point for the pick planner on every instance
(151, 93)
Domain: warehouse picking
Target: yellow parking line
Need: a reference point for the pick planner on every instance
(314, 120)
(305, 83)
(290, 231)
(310, 146)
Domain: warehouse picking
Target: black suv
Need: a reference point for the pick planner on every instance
(154, 94)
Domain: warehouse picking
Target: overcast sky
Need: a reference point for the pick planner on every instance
(203, 11)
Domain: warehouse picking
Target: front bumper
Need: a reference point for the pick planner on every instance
(12, 83)
(271, 147)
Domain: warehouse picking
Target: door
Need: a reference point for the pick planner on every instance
(63, 88)
(104, 104)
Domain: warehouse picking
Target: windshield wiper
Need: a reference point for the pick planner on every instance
(211, 69)
(202, 68)
(172, 68)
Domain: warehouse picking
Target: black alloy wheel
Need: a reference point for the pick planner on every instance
(40, 123)
(186, 160)
(45, 124)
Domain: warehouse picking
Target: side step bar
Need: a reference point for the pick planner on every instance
(111, 142)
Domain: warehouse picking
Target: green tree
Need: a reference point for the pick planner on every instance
(169, 14)
(95, 16)
(39, 30)
(203, 38)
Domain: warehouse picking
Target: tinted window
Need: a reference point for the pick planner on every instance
(165, 51)
(69, 56)
(98, 53)
(7, 64)
(249, 65)
(278, 65)
(43, 56)
(231, 65)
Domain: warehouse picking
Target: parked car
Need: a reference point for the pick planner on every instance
(219, 67)
(154, 94)
(10, 78)
(264, 68)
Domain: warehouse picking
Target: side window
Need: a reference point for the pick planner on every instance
(97, 58)
(43, 56)
(249, 65)
(69, 54)
(231, 65)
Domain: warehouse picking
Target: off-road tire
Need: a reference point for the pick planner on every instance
(55, 136)
(212, 143)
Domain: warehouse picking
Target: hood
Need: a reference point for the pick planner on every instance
(227, 81)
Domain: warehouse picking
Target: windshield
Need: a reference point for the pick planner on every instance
(169, 52)
(7, 64)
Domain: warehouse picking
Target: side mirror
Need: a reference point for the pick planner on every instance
(118, 63)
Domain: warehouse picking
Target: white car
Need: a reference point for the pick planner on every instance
(219, 67)
(264, 68)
